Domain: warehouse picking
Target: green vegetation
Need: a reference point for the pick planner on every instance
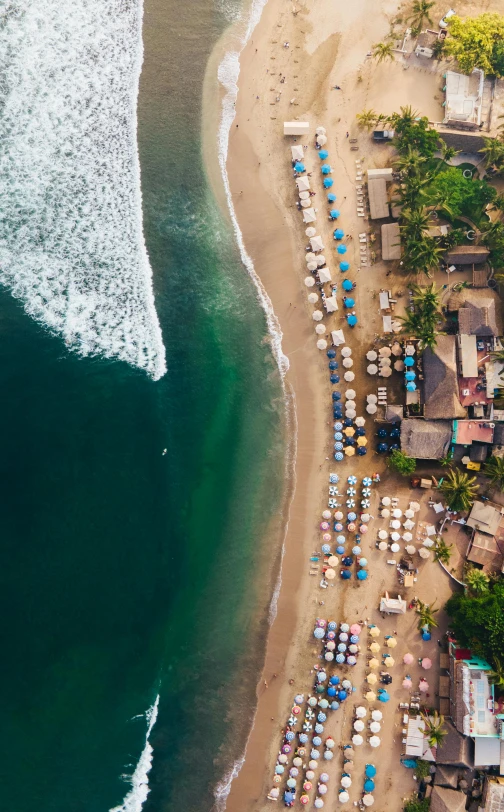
(477, 42)
(382, 51)
(455, 195)
(459, 489)
(478, 621)
(477, 582)
(413, 804)
(493, 239)
(494, 470)
(413, 132)
(400, 462)
(434, 727)
(422, 769)
(421, 14)
(442, 551)
(426, 615)
(493, 152)
(496, 676)
(422, 322)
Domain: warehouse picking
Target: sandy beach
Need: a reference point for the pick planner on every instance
(328, 46)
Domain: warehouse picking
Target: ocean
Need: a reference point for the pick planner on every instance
(142, 451)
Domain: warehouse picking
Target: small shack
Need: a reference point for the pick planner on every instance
(378, 201)
(393, 606)
(391, 241)
(296, 127)
(385, 173)
(467, 255)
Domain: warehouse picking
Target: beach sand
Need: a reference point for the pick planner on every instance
(327, 46)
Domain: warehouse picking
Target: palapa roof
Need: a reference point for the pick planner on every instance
(446, 776)
(462, 141)
(440, 386)
(447, 800)
(456, 749)
(378, 200)
(479, 311)
(394, 412)
(391, 241)
(467, 255)
(426, 439)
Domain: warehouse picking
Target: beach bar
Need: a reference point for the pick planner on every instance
(296, 128)
(378, 201)
(391, 241)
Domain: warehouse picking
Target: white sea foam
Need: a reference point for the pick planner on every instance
(139, 780)
(71, 238)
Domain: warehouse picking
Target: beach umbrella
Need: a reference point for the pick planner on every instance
(382, 546)
(349, 376)
(411, 387)
(375, 647)
(429, 542)
(391, 642)
(334, 680)
(372, 369)
(383, 696)
(347, 285)
(322, 787)
(323, 154)
(410, 549)
(382, 534)
(386, 501)
(349, 451)
(274, 793)
(288, 797)
(312, 298)
(410, 376)
(395, 524)
(346, 781)
(309, 282)
(342, 647)
(330, 574)
(343, 797)
(324, 778)
(395, 547)
(423, 553)
(406, 683)
(310, 775)
(362, 575)
(359, 725)
(371, 408)
(352, 321)
(325, 169)
(362, 441)
(344, 635)
(385, 372)
(339, 456)
(311, 232)
(375, 727)
(321, 260)
(280, 769)
(395, 536)
(344, 626)
(321, 344)
(388, 661)
(317, 315)
(426, 663)
(363, 562)
(319, 634)
(357, 740)
(373, 663)
(326, 549)
(407, 536)
(368, 800)
(369, 785)
(397, 513)
(360, 712)
(330, 743)
(370, 696)
(340, 658)
(371, 355)
(376, 716)
(333, 561)
(349, 302)
(286, 748)
(384, 352)
(289, 736)
(313, 764)
(328, 182)
(360, 422)
(371, 679)
(328, 656)
(334, 213)
(423, 686)
(304, 799)
(342, 249)
(344, 266)
(374, 631)
(338, 234)
(385, 362)
(304, 195)
(331, 197)
(385, 513)
(347, 363)
(294, 772)
(409, 361)
(399, 366)
(320, 329)
(331, 354)
(350, 413)
(408, 524)
(346, 575)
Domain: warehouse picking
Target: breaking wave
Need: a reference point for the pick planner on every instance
(71, 238)
(137, 795)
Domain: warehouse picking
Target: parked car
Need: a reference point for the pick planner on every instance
(383, 135)
(443, 23)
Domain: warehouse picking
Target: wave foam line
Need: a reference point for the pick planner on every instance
(71, 243)
(139, 780)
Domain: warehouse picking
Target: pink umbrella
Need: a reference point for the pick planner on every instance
(408, 659)
(363, 528)
(324, 526)
(426, 663)
(351, 527)
(304, 799)
(355, 628)
(307, 786)
(423, 686)
(327, 537)
(407, 683)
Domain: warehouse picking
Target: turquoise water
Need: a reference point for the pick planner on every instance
(128, 573)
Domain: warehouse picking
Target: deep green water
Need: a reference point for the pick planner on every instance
(126, 573)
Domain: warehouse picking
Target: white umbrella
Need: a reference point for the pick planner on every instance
(372, 398)
(367, 800)
(304, 195)
(360, 712)
(429, 542)
(407, 537)
(386, 501)
(395, 524)
(310, 231)
(313, 298)
(385, 513)
(317, 315)
(346, 352)
(360, 422)
(357, 740)
(350, 413)
(307, 204)
(346, 781)
(395, 536)
(320, 260)
(349, 376)
(310, 256)
(423, 553)
(384, 352)
(395, 547)
(372, 369)
(409, 514)
(397, 513)
(316, 243)
(321, 140)
(382, 546)
(350, 394)
(359, 725)
(343, 797)
(386, 372)
(320, 329)
(375, 727)
(371, 408)
(322, 344)
(320, 131)
(410, 549)
(309, 281)
(365, 518)
(385, 362)
(382, 534)
(410, 350)
(377, 715)
(347, 363)
(371, 355)
(375, 741)
(408, 524)
(311, 266)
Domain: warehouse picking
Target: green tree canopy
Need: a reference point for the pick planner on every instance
(400, 462)
(476, 42)
(414, 133)
(459, 489)
(478, 622)
(494, 470)
(462, 195)
(414, 804)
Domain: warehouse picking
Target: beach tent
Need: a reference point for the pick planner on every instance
(303, 184)
(316, 244)
(337, 337)
(395, 606)
(296, 127)
(297, 153)
(325, 275)
(309, 215)
(331, 304)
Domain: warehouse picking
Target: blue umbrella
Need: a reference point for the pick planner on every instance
(354, 638)
(336, 396)
(382, 433)
(338, 412)
(356, 550)
(409, 361)
(338, 427)
(382, 448)
(331, 691)
(339, 234)
(289, 797)
(332, 626)
(322, 717)
(334, 680)
(383, 696)
(333, 479)
(410, 762)
(289, 736)
(344, 266)
(317, 741)
(361, 451)
(334, 214)
(363, 563)
(352, 320)
(348, 421)
(339, 456)
(347, 561)
(323, 154)
(334, 378)
(338, 435)
(410, 375)
(341, 248)
(342, 695)
(340, 550)
(319, 728)
(319, 633)
(367, 481)
(346, 575)
(362, 575)
(352, 516)
(347, 285)
(335, 705)
(338, 446)
(333, 365)
(326, 169)
(331, 197)
(411, 386)
(370, 770)
(328, 182)
(395, 433)
(303, 738)
(349, 303)
(340, 658)
(342, 647)
(426, 636)
(326, 549)
(299, 167)
(279, 769)
(331, 353)
(394, 447)
(360, 431)
(369, 785)
(352, 479)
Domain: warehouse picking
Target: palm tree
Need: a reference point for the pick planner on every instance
(411, 163)
(420, 13)
(459, 490)
(497, 355)
(382, 51)
(427, 298)
(426, 615)
(494, 470)
(367, 119)
(413, 223)
(476, 582)
(434, 727)
(496, 675)
(442, 551)
(447, 153)
(424, 255)
(447, 460)
(494, 154)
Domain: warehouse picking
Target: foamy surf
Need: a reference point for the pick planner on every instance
(71, 240)
(139, 780)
